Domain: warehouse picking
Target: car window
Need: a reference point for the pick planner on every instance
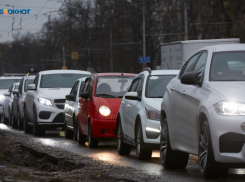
(228, 66)
(27, 82)
(200, 65)
(81, 87)
(134, 85)
(21, 85)
(90, 86)
(74, 88)
(190, 65)
(140, 86)
(36, 80)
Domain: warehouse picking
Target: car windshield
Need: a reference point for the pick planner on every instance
(66, 80)
(112, 86)
(6, 83)
(156, 85)
(228, 66)
(27, 82)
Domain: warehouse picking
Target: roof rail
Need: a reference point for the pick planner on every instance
(13, 74)
(146, 69)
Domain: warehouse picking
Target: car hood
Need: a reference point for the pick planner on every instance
(54, 93)
(112, 103)
(2, 91)
(232, 91)
(154, 103)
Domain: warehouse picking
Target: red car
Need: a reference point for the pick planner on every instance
(99, 104)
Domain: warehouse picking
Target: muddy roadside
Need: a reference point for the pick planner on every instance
(25, 159)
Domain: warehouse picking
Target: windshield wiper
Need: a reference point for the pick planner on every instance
(106, 95)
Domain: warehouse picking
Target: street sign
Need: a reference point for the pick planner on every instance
(146, 59)
(74, 55)
(64, 68)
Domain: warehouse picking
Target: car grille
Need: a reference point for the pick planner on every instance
(60, 103)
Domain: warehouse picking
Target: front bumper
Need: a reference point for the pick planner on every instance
(50, 117)
(104, 128)
(227, 138)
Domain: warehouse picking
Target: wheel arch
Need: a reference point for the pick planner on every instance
(137, 121)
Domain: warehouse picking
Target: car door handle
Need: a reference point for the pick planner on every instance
(128, 106)
(183, 93)
(172, 89)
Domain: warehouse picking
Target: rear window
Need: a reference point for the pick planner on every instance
(7, 83)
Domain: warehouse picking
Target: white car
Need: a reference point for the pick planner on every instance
(138, 120)
(7, 105)
(71, 108)
(203, 112)
(5, 83)
(45, 99)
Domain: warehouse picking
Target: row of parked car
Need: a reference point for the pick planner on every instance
(199, 110)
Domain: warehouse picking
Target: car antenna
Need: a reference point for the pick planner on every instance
(120, 67)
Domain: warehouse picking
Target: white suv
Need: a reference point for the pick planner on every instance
(203, 112)
(138, 120)
(45, 99)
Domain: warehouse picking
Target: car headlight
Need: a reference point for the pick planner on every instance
(44, 101)
(152, 113)
(104, 110)
(2, 97)
(229, 108)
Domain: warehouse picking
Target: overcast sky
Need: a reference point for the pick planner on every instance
(30, 23)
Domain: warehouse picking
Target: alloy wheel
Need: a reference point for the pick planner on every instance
(203, 143)
(138, 142)
(119, 138)
(163, 142)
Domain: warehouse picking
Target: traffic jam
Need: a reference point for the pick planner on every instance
(197, 110)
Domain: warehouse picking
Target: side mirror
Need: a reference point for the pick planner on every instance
(85, 95)
(31, 87)
(15, 92)
(71, 97)
(132, 96)
(7, 94)
(191, 78)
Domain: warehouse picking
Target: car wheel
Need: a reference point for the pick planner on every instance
(207, 165)
(142, 154)
(37, 130)
(92, 142)
(170, 159)
(10, 118)
(81, 138)
(74, 129)
(14, 120)
(122, 148)
(5, 119)
(19, 121)
(68, 133)
(27, 127)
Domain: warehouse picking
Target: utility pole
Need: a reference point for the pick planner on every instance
(143, 14)
(186, 21)
(64, 56)
(111, 50)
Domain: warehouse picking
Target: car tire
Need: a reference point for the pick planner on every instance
(207, 165)
(10, 118)
(37, 130)
(27, 127)
(122, 148)
(19, 120)
(68, 133)
(14, 120)
(81, 138)
(170, 159)
(92, 142)
(141, 153)
(74, 129)
(5, 119)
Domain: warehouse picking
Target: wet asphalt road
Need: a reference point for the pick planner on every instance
(107, 152)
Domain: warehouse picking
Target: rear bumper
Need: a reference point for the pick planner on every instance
(103, 128)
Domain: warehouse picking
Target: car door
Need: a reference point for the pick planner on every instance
(135, 107)
(30, 96)
(6, 102)
(85, 104)
(126, 105)
(69, 109)
(178, 90)
(191, 99)
(16, 98)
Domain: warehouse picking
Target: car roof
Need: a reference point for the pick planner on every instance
(64, 71)
(164, 72)
(115, 74)
(226, 47)
(82, 79)
(10, 77)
